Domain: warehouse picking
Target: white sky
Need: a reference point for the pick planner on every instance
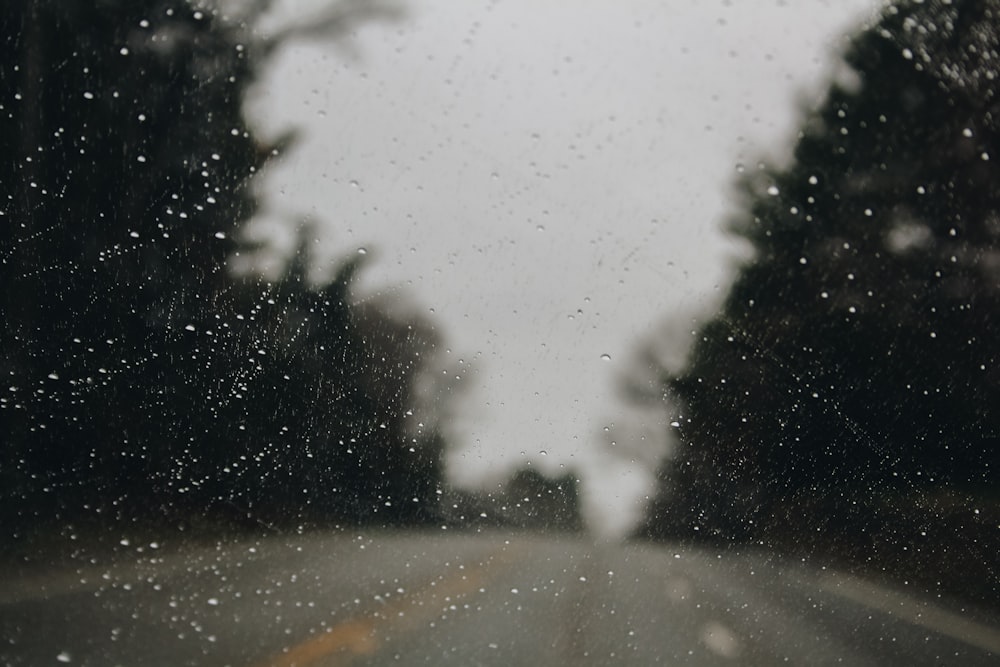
(547, 180)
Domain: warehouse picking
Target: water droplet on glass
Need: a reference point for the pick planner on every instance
(605, 357)
(362, 251)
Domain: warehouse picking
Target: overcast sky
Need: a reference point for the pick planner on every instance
(547, 181)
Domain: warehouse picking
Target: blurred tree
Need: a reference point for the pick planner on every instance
(532, 500)
(138, 375)
(856, 356)
(127, 156)
(322, 420)
(527, 500)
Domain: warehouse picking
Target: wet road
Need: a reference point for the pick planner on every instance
(372, 598)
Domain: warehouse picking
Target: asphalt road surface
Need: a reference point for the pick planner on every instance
(375, 598)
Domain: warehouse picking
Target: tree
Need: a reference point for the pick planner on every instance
(527, 500)
(139, 375)
(856, 356)
(127, 156)
(321, 420)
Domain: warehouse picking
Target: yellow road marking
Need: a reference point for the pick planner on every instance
(359, 636)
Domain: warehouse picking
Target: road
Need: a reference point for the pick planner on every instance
(378, 598)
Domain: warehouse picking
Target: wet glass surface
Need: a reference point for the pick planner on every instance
(499, 332)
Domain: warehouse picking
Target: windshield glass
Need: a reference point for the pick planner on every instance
(500, 332)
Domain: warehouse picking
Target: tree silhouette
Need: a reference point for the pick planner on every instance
(127, 157)
(856, 357)
(139, 376)
(527, 500)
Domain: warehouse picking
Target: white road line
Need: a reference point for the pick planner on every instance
(923, 614)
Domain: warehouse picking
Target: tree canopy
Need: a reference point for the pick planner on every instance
(141, 377)
(857, 356)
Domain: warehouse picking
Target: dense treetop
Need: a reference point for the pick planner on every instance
(140, 377)
(856, 357)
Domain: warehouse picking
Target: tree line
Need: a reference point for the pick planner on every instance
(140, 378)
(849, 386)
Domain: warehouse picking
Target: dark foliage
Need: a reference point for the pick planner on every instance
(528, 500)
(855, 365)
(139, 378)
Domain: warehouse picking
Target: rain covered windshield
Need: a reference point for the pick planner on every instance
(497, 332)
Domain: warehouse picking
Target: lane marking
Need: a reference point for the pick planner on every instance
(906, 608)
(359, 636)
